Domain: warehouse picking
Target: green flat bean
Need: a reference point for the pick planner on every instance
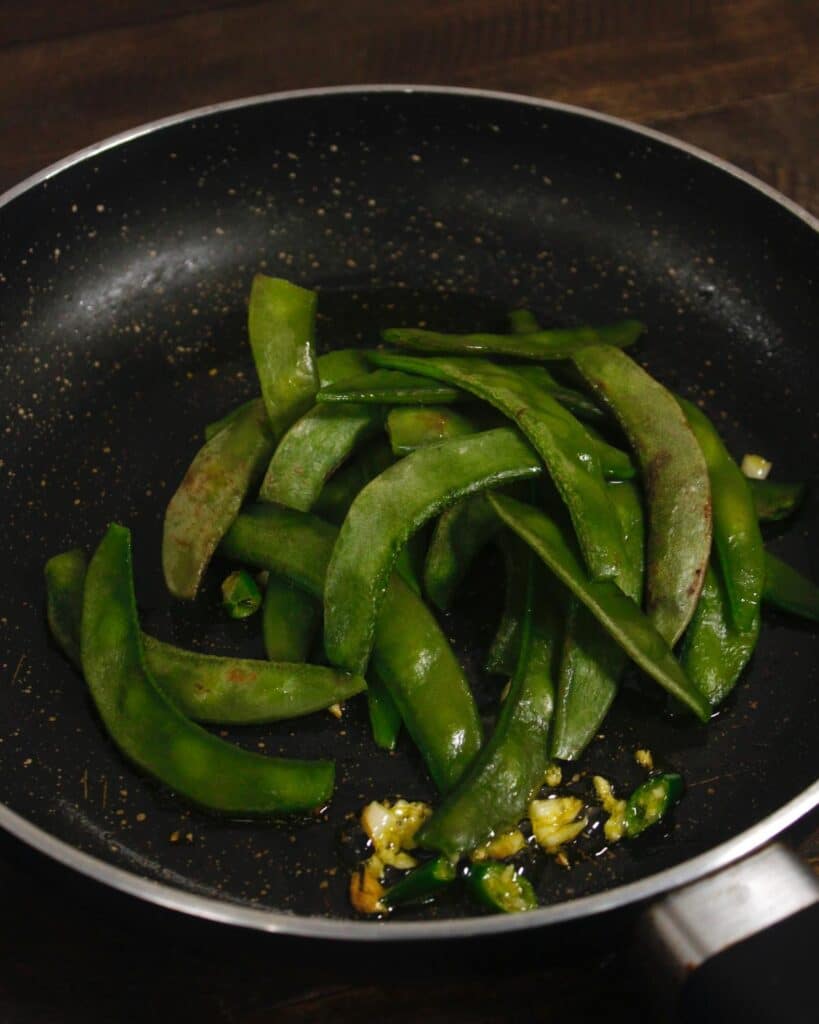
(410, 427)
(613, 609)
(460, 533)
(341, 364)
(388, 511)
(774, 500)
(675, 479)
(281, 327)
(152, 732)
(210, 496)
(385, 718)
(411, 655)
(213, 428)
(568, 452)
(504, 651)
(313, 448)
(65, 585)
(789, 590)
(341, 489)
(556, 343)
(389, 387)
(290, 621)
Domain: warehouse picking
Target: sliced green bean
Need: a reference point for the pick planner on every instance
(65, 585)
(152, 732)
(675, 479)
(389, 387)
(410, 427)
(213, 428)
(313, 448)
(341, 489)
(568, 452)
(494, 793)
(504, 651)
(460, 533)
(385, 718)
(556, 343)
(591, 660)
(614, 610)
(210, 496)
(411, 655)
(774, 500)
(341, 364)
(388, 511)
(789, 590)
(290, 620)
(281, 326)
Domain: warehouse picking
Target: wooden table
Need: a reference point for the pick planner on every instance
(738, 77)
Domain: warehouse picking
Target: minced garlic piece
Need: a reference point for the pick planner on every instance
(507, 844)
(755, 467)
(366, 891)
(555, 821)
(335, 710)
(392, 829)
(644, 759)
(615, 826)
(554, 775)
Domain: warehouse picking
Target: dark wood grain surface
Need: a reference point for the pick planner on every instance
(737, 77)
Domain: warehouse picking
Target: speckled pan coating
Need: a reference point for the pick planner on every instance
(123, 283)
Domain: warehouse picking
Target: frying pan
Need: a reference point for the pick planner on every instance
(124, 277)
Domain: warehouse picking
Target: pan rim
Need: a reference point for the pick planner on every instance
(279, 922)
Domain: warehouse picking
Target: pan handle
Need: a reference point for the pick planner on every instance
(740, 944)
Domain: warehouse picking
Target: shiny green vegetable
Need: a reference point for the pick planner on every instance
(504, 651)
(341, 364)
(500, 887)
(774, 501)
(789, 590)
(281, 327)
(675, 479)
(290, 621)
(213, 428)
(389, 387)
(210, 496)
(421, 884)
(508, 771)
(313, 448)
(152, 732)
(557, 343)
(651, 801)
(241, 596)
(385, 718)
(388, 511)
(410, 427)
(226, 691)
(410, 655)
(461, 532)
(341, 489)
(568, 452)
(613, 609)
(591, 660)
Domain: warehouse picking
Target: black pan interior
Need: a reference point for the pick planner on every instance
(123, 283)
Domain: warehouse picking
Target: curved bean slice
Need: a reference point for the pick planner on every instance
(65, 586)
(388, 511)
(774, 500)
(411, 655)
(675, 477)
(290, 621)
(737, 538)
(341, 489)
(341, 364)
(281, 326)
(504, 651)
(617, 613)
(410, 427)
(460, 533)
(390, 387)
(568, 452)
(591, 660)
(152, 732)
(210, 496)
(789, 590)
(556, 343)
(509, 769)
(213, 428)
(385, 718)
(313, 448)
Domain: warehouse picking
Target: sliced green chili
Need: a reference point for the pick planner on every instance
(495, 791)
(390, 387)
(410, 427)
(411, 655)
(675, 479)
(290, 620)
(241, 596)
(789, 590)
(617, 613)
(210, 496)
(388, 511)
(281, 326)
(313, 448)
(651, 801)
(568, 452)
(152, 732)
(500, 887)
(556, 343)
(421, 884)
(774, 500)
(460, 533)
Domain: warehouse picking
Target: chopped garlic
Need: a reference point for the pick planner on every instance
(555, 821)
(554, 775)
(365, 893)
(644, 759)
(392, 829)
(755, 467)
(507, 844)
(615, 826)
(335, 710)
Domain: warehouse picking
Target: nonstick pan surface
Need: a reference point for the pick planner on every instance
(123, 286)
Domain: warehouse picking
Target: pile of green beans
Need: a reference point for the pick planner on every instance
(627, 530)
